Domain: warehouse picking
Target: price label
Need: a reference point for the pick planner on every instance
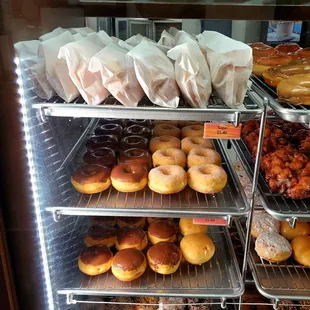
(221, 131)
(210, 221)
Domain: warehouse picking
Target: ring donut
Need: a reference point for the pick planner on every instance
(190, 143)
(164, 142)
(170, 156)
(166, 130)
(201, 155)
(192, 131)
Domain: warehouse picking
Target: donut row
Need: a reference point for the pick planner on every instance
(129, 263)
(276, 242)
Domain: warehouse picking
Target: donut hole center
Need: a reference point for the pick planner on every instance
(110, 126)
(127, 170)
(200, 153)
(165, 172)
(102, 153)
(135, 153)
(89, 170)
(133, 140)
(204, 170)
(164, 139)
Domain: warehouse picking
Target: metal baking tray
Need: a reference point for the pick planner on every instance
(286, 280)
(281, 208)
(188, 203)
(287, 111)
(218, 278)
(111, 108)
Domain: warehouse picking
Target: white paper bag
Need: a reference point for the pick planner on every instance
(191, 71)
(104, 37)
(56, 69)
(155, 74)
(56, 32)
(173, 31)
(77, 56)
(230, 64)
(119, 79)
(33, 68)
(166, 39)
(137, 39)
(84, 31)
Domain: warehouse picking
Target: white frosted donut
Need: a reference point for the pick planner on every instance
(273, 247)
(166, 130)
(164, 142)
(167, 179)
(207, 179)
(263, 222)
(189, 143)
(201, 156)
(192, 131)
(170, 156)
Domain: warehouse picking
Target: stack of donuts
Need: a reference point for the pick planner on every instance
(286, 67)
(118, 154)
(128, 249)
(276, 242)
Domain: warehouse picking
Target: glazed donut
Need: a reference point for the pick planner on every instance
(128, 265)
(166, 130)
(142, 122)
(131, 221)
(164, 142)
(262, 51)
(189, 123)
(295, 89)
(134, 142)
(137, 130)
(129, 178)
(192, 131)
(274, 76)
(164, 257)
(168, 179)
(109, 129)
(96, 142)
(169, 157)
(273, 247)
(95, 260)
(131, 237)
(266, 63)
(301, 250)
(104, 121)
(100, 234)
(91, 179)
(207, 179)
(192, 142)
(197, 249)
(303, 53)
(102, 157)
(136, 156)
(172, 123)
(103, 220)
(263, 222)
(187, 227)
(287, 48)
(162, 230)
(201, 155)
(151, 219)
(301, 229)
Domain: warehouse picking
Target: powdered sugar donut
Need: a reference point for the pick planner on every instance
(263, 222)
(273, 247)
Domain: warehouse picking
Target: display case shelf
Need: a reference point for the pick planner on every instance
(230, 202)
(218, 278)
(281, 208)
(286, 280)
(111, 108)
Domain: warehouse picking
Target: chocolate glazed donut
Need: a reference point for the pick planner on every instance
(109, 129)
(138, 156)
(137, 130)
(102, 156)
(104, 121)
(96, 142)
(142, 122)
(137, 142)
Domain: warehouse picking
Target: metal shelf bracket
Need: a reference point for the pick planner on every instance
(237, 119)
(70, 300)
(276, 304)
(223, 303)
(42, 114)
(56, 215)
(292, 222)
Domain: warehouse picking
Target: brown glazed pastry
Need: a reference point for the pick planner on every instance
(128, 265)
(129, 178)
(164, 257)
(101, 234)
(134, 142)
(103, 220)
(137, 130)
(162, 230)
(109, 129)
(95, 260)
(91, 179)
(142, 122)
(102, 157)
(136, 156)
(131, 221)
(131, 237)
(96, 142)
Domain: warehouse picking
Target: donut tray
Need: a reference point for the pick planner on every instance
(231, 201)
(287, 111)
(286, 280)
(218, 278)
(111, 108)
(281, 208)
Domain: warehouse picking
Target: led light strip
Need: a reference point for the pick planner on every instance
(34, 187)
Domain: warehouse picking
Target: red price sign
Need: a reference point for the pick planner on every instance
(210, 221)
(221, 131)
